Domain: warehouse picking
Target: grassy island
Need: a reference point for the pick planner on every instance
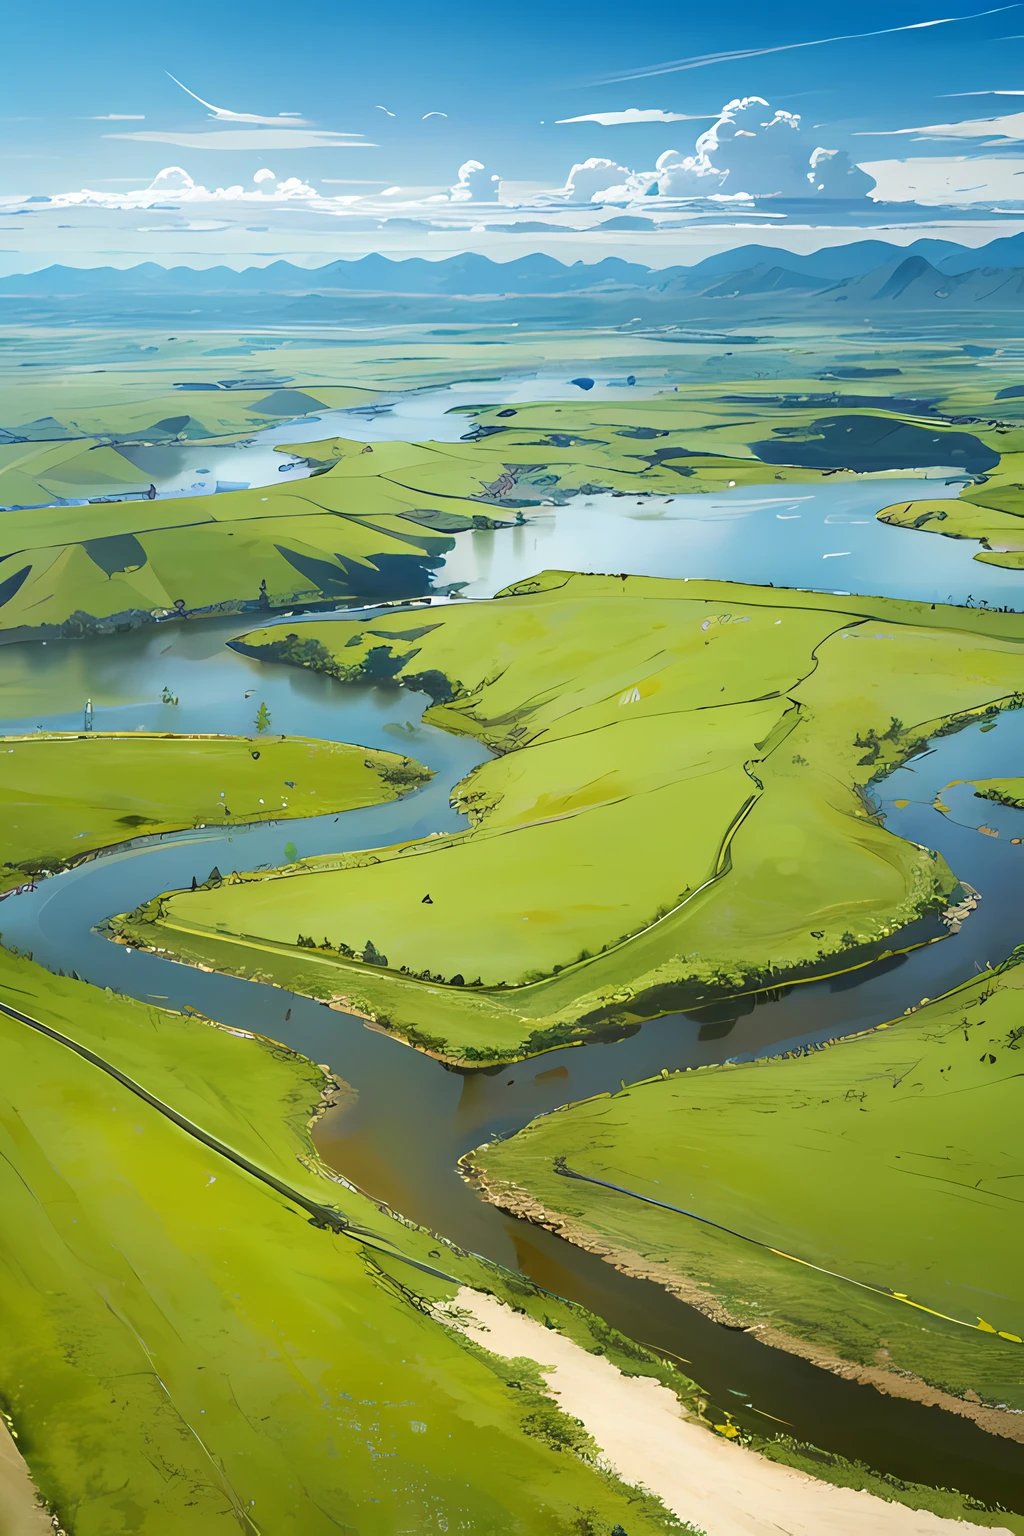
(675, 812)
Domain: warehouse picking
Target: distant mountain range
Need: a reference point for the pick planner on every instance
(759, 282)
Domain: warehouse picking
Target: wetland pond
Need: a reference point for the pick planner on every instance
(409, 1119)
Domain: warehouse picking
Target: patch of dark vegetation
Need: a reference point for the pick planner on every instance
(116, 553)
(389, 576)
(869, 444)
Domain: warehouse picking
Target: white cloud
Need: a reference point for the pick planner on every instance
(595, 179)
(120, 117)
(433, 114)
(264, 175)
(252, 138)
(224, 114)
(635, 115)
(475, 184)
(748, 151)
(171, 179)
(939, 180)
(996, 130)
(174, 185)
(294, 187)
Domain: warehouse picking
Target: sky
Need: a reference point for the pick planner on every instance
(243, 133)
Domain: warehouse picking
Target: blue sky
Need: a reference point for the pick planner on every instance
(91, 106)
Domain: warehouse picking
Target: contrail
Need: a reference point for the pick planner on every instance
(702, 60)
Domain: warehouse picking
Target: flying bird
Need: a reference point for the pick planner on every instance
(379, 108)
(434, 114)
(225, 115)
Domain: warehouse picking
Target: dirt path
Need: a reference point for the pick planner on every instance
(722, 1488)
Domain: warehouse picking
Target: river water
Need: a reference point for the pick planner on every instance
(412, 1118)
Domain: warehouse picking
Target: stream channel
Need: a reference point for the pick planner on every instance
(412, 1118)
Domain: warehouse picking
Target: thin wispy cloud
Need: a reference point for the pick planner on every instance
(120, 117)
(638, 115)
(251, 138)
(379, 108)
(225, 115)
(994, 130)
(434, 114)
(704, 60)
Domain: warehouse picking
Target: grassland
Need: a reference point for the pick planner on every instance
(854, 1204)
(181, 1349)
(375, 519)
(675, 813)
(64, 796)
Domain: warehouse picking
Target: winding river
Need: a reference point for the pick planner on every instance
(401, 1135)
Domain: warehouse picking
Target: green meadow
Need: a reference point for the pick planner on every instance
(854, 1204)
(182, 1348)
(64, 796)
(675, 811)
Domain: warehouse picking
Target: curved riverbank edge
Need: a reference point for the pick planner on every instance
(121, 929)
(181, 754)
(517, 1202)
(479, 1024)
(649, 1443)
(22, 1511)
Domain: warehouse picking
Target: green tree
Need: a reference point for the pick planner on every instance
(263, 717)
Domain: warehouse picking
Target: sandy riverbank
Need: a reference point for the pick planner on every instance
(21, 1513)
(719, 1487)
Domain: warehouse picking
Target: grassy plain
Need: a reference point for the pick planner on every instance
(62, 796)
(675, 812)
(374, 521)
(181, 1349)
(891, 1160)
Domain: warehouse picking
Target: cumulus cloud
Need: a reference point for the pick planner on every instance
(475, 184)
(173, 187)
(593, 180)
(749, 151)
(834, 174)
(635, 115)
(264, 175)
